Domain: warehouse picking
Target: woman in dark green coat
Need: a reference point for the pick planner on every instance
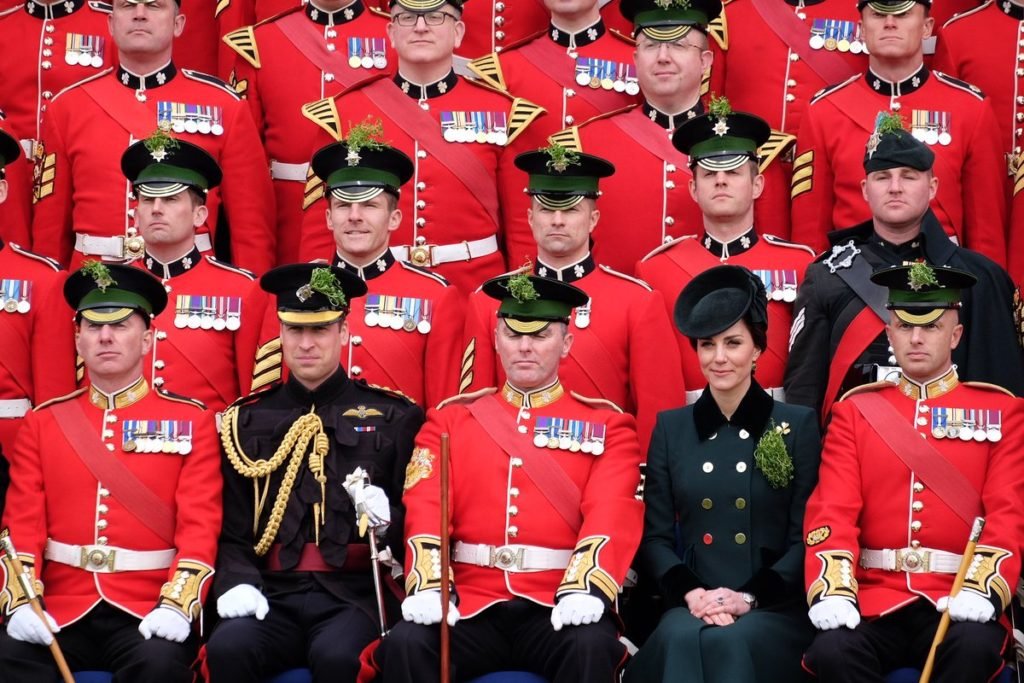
(727, 481)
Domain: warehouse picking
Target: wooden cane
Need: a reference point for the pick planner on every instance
(958, 583)
(27, 585)
(446, 562)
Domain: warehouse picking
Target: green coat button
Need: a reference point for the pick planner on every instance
(740, 503)
(706, 503)
(741, 538)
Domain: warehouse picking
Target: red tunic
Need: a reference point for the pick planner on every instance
(493, 25)
(618, 347)
(868, 498)
(38, 358)
(203, 358)
(971, 201)
(779, 263)
(422, 363)
(494, 500)
(80, 188)
(453, 195)
(197, 46)
(276, 78)
(53, 495)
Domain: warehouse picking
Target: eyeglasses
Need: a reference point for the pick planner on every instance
(408, 19)
(652, 46)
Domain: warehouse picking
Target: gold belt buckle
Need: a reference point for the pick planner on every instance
(912, 561)
(419, 255)
(133, 246)
(506, 558)
(97, 559)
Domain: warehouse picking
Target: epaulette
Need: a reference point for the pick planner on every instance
(199, 76)
(227, 266)
(243, 41)
(267, 367)
(32, 255)
(628, 278)
(324, 113)
(666, 246)
(988, 386)
(12, 10)
(568, 138)
(719, 29)
(469, 397)
(178, 398)
(85, 80)
(961, 15)
(779, 242)
(622, 36)
(778, 143)
(829, 89)
(60, 399)
(959, 85)
(387, 391)
(520, 115)
(863, 388)
(424, 272)
(98, 6)
(488, 70)
(595, 402)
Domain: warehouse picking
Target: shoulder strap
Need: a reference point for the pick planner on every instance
(556, 486)
(927, 462)
(140, 501)
(779, 17)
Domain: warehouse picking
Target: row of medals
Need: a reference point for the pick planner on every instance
(849, 42)
(358, 58)
(931, 132)
(15, 296)
(156, 443)
(207, 321)
(86, 55)
(967, 425)
(580, 437)
(631, 87)
(201, 125)
(396, 321)
(778, 285)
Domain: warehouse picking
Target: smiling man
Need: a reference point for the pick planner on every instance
(544, 521)
(952, 117)
(837, 340)
(905, 469)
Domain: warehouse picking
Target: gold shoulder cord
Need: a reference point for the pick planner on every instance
(307, 428)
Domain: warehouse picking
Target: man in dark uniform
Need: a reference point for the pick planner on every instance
(115, 502)
(545, 513)
(204, 344)
(296, 583)
(906, 469)
(837, 340)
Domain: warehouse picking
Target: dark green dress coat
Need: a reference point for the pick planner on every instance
(734, 530)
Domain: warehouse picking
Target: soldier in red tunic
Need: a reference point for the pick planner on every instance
(83, 204)
(906, 468)
(726, 183)
(620, 334)
(952, 117)
(405, 333)
(300, 56)
(203, 344)
(544, 513)
(115, 503)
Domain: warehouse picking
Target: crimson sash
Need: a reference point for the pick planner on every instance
(307, 39)
(551, 59)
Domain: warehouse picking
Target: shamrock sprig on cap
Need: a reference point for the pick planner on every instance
(99, 273)
(561, 157)
(521, 289)
(365, 135)
(921, 275)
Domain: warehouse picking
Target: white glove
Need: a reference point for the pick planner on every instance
(575, 609)
(26, 626)
(368, 500)
(967, 606)
(243, 600)
(167, 623)
(425, 608)
(833, 613)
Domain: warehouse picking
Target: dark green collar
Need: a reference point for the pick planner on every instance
(584, 37)
(672, 121)
(570, 273)
(890, 88)
(181, 266)
(724, 250)
(55, 10)
(751, 415)
(427, 91)
(149, 81)
(375, 268)
(324, 17)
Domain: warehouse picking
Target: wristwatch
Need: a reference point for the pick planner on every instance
(749, 599)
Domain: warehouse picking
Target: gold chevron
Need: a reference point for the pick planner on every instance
(315, 189)
(1018, 175)
(705, 81)
(568, 138)
(522, 113)
(324, 113)
(468, 358)
(803, 174)
(488, 68)
(778, 143)
(719, 30)
(243, 41)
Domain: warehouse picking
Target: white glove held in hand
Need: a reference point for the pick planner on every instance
(833, 613)
(425, 608)
(368, 500)
(575, 609)
(968, 606)
(166, 623)
(26, 626)
(242, 601)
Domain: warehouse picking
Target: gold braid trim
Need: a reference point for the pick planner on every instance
(295, 441)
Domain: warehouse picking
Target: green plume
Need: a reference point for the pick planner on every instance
(921, 275)
(561, 157)
(99, 273)
(326, 283)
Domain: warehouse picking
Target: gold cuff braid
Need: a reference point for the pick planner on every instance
(184, 591)
(837, 577)
(13, 594)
